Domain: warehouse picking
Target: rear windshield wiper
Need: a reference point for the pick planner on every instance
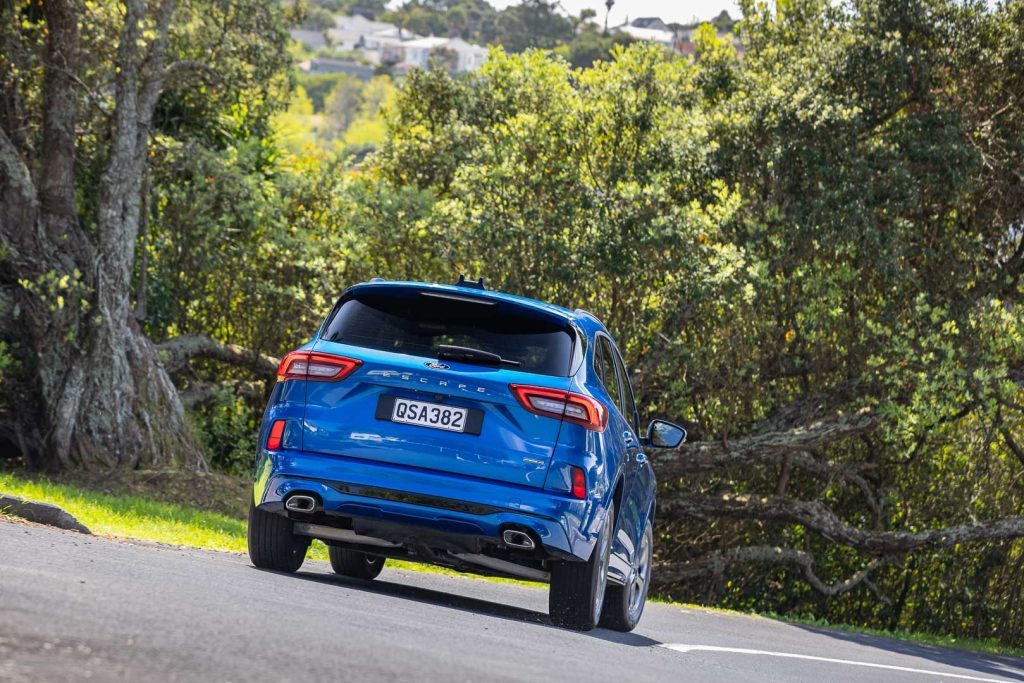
(464, 354)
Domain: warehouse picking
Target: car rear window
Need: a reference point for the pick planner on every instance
(417, 322)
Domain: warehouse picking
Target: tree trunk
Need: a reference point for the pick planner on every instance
(104, 398)
(111, 404)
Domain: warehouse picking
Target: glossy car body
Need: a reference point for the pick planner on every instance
(404, 490)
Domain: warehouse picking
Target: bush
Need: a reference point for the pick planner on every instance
(226, 428)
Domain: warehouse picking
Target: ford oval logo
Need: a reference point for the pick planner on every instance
(434, 365)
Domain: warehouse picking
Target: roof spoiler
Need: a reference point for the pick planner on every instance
(479, 284)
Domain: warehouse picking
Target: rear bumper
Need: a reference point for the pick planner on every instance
(415, 505)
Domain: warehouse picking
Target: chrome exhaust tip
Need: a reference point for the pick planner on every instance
(517, 539)
(300, 503)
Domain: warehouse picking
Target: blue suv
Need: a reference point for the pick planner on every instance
(466, 428)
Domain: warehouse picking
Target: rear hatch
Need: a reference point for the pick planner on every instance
(430, 392)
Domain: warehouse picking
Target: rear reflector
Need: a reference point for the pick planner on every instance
(566, 405)
(579, 483)
(321, 367)
(276, 432)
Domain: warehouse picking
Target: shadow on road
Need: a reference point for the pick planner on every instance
(467, 604)
(1004, 666)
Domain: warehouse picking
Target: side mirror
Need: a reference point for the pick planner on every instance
(662, 434)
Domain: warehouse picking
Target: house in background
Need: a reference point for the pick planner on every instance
(313, 40)
(677, 37)
(649, 32)
(417, 52)
(463, 56)
(381, 43)
(383, 49)
(357, 32)
(654, 23)
(327, 65)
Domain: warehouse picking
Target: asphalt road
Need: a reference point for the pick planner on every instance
(77, 608)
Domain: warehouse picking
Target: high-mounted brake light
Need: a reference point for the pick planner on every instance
(322, 367)
(567, 405)
(274, 437)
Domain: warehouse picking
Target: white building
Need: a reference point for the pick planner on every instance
(471, 57)
(353, 33)
(468, 57)
(417, 52)
(383, 49)
(314, 40)
(381, 43)
(650, 35)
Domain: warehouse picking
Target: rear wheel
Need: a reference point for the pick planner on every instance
(577, 588)
(272, 543)
(624, 605)
(358, 565)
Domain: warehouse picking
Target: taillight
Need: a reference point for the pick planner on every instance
(276, 432)
(567, 405)
(323, 367)
(579, 483)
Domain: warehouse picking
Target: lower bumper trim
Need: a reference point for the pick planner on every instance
(504, 566)
(333, 534)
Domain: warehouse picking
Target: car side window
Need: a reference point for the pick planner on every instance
(627, 393)
(599, 368)
(609, 376)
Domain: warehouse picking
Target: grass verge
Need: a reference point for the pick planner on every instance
(130, 516)
(134, 517)
(972, 644)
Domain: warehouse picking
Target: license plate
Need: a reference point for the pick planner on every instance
(432, 415)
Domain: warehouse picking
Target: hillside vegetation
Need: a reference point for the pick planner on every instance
(811, 256)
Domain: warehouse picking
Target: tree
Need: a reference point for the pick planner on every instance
(342, 106)
(582, 18)
(590, 45)
(864, 394)
(723, 22)
(532, 23)
(444, 58)
(74, 197)
(371, 9)
(813, 259)
(317, 19)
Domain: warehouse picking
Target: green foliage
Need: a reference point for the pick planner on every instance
(226, 428)
(830, 222)
(342, 105)
(591, 45)
(724, 22)
(317, 19)
(134, 517)
(340, 113)
(319, 86)
(529, 23)
(605, 166)
(371, 9)
(6, 360)
(865, 168)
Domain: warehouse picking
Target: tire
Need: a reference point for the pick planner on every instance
(577, 588)
(355, 564)
(272, 545)
(624, 605)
